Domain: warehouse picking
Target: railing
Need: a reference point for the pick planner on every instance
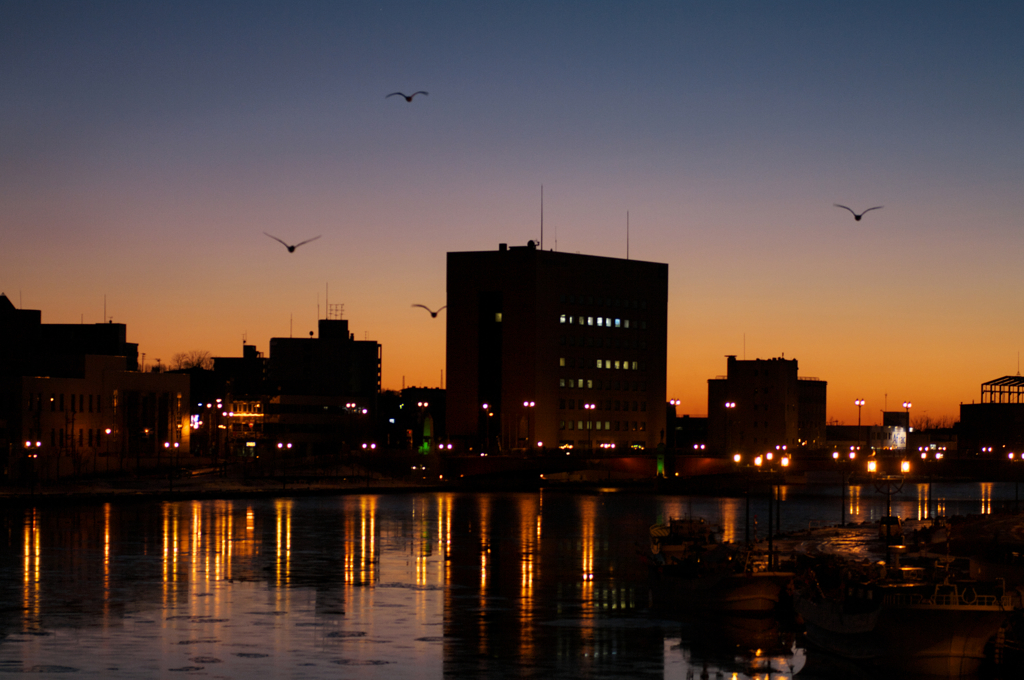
(965, 598)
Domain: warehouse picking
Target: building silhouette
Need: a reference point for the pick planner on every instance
(322, 391)
(73, 402)
(762, 404)
(995, 427)
(548, 349)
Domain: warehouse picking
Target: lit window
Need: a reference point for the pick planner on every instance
(634, 365)
(616, 365)
(600, 321)
(497, 317)
(561, 382)
(572, 382)
(579, 424)
(597, 425)
(599, 362)
(561, 361)
(626, 323)
(561, 319)
(590, 321)
(590, 384)
(618, 323)
(583, 321)
(608, 322)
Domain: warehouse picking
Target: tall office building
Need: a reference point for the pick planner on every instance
(549, 349)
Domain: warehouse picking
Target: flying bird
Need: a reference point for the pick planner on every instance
(855, 215)
(291, 249)
(408, 97)
(433, 314)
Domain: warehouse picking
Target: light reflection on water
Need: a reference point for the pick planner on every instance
(425, 584)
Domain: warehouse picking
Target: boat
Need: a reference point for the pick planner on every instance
(931, 622)
(689, 569)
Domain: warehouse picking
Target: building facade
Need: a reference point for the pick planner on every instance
(762, 404)
(995, 427)
(323, 391)
(72, 401)
(548, 349)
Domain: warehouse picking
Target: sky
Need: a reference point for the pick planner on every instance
(145, 148)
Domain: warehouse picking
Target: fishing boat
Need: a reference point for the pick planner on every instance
(905, 619)
(690, 570)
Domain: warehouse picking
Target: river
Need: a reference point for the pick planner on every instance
(406, 585)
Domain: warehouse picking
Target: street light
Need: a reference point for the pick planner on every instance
(528, 405)
(766, 461)
(590, 426)
(860, 433)
(486, 408)
(725, 426)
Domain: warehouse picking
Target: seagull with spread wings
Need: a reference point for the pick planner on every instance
(408, 97)
(855, 215)
(433, 314)
(291, 249)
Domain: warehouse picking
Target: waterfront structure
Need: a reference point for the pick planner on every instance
(549, 349)
(762, 404)
(866, 438)
(995, 427)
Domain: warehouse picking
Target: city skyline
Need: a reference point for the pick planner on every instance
(147, 150)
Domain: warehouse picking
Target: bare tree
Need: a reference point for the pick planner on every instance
(196, 358)
(925, 422)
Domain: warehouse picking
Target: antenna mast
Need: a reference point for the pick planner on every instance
(542, 217)
(627, 234)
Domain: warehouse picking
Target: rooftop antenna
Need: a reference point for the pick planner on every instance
(291, 319)
(105, 309)
(542, 217)
(627, 234)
